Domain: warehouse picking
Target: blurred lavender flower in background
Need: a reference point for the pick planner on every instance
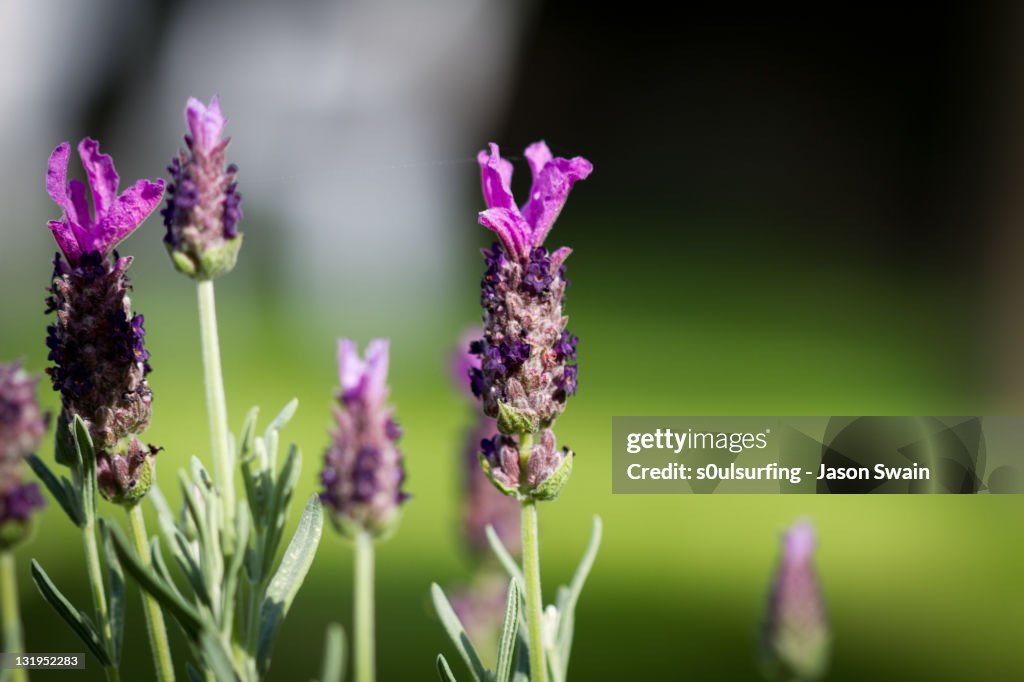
(97, 347)
(203, 203)
(363, 468)
(796, 637)
(22, 427)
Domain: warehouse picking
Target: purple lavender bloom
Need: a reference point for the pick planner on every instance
(97, 343)
(482, 505)
(22, 427)
(363, 469)
(203, 203)
(796, 633)
(528, 358)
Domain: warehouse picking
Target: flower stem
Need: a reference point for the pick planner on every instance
(155, 626)
(99, 593)
(363, 599)
(12, 641)
(531, 570)
(216, 404)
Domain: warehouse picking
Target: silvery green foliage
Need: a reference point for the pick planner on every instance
(77, 497)
(233, 601)
(513, 654)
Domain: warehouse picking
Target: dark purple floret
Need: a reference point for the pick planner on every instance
(392, 430)
(537, 276)
(364, 474)
(232, 207)
(568, 381)
(18, 503)
(489, 448)
(477, 381)
(565, 348)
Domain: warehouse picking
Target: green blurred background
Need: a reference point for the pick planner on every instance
(792, 212)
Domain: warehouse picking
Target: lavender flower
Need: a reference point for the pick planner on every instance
(527, 357)
(796, 635)
(22, 427)
(97, 343)
(483, 505)
(363, 467)
(203, 203)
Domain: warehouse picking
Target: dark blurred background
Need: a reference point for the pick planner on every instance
(794, 210)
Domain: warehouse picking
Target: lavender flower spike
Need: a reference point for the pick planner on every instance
(363, 467)
(527, 356)
(97, 343)
(203, 203)
(796, 633)
(22, 427)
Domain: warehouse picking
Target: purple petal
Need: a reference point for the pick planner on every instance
(798, 543)
(558, 257)
(496, 177)
(205, 122)
(550, 189)
(103, 180)
(538, 155)
(377, 371)
(511, 229)
(79, 206)
(127, 212)
(57, 175)
(66, 239)
(350, 366)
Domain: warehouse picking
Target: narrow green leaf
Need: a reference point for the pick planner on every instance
(217, 658)
(504, 556)
(186, 614)
(61, 490)
(157, 558)
(333, 668)
(285, 584)
(566, 621)
(444, 671)
(115, 593)
(280, 500)
(509, 629)
(457, 633)
(284, 416)
(75, 619)
(87, 456)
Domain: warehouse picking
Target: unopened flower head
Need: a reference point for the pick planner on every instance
(22, 427)
(363, 469)
(483, 505)
(796, 633)
(203, 203)
(547, 467)
(97, 347)
(528, 358)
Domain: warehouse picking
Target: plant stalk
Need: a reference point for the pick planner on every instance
(155, 626)
(531, 571)
(216, 406)
(99, 594)
(13, 641)
(363, 617)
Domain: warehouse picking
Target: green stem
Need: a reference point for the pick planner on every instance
(363, 598)
(216, 405)
(155, 626)
(531, 571)
(99, 593)
(13, 643)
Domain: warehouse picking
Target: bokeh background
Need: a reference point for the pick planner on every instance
(795, 210)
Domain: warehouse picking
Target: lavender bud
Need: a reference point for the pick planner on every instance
(796, 634)
(547, 468)
(482, 505)
(203, 203)
(96, 343)
(363, 468)
(22, 427)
